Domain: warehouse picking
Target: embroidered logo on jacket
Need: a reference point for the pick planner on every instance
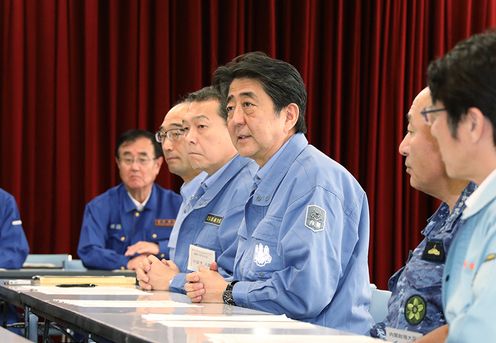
(315, 218)
(434, 251)
(261, 257)
(213, 219)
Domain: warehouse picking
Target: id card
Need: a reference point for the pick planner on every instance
(200, 257)
(401, 336)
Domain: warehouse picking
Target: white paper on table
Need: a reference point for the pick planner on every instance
(98, 290)
(267, 338)
(234, 318)
(233, 324)
(124, 303)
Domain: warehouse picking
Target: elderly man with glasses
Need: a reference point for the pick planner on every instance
(124, 225)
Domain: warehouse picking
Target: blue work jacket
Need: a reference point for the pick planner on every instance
(303, 243)
(214, 219)
(111, 223)
(469, 295)
(13, 244)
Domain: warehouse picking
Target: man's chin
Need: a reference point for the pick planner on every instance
(135, 186)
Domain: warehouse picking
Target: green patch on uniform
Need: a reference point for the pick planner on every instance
(315, 218)
(213, 219)
(415, 309)
(490, 257)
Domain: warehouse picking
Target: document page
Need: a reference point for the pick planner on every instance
(125, 303)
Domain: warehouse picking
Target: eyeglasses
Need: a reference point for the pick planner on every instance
(142, 160)
(428, 116)
(172, 135)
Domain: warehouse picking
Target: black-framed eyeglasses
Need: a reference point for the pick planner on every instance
(172, 135)
(428, 116)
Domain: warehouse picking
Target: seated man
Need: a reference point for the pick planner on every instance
(13, 244)
(208, 225)
(128, 222)
(415, 306)
(462, 116)
(303, 243)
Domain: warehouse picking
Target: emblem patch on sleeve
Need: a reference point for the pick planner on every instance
(315, 218)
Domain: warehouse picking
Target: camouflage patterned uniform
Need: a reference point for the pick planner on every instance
(416, 303)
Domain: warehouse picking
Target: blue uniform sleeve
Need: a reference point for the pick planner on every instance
(13, 244)
(92, 241)
(476, 323)
(177, 283)
(306, 265)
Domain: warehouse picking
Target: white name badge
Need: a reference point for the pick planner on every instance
(200, 257)
(401, 336)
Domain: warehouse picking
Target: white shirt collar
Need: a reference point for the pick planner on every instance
(473, 202)
(139, 205)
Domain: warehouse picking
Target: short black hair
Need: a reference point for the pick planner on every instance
(466, 77)
(280, 80)
(206, 94)
(134, 134)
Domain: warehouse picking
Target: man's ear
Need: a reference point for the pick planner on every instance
(476, 124)
(292, 113)
(159, 161)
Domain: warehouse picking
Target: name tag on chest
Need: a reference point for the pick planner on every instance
(213, 219)
(401, 336)
(200, 257)
(165, 222)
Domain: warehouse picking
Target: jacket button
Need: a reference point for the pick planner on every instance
(154, 235)
(123, 238)
(136, 214)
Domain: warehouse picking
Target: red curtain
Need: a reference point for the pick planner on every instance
(75, 74)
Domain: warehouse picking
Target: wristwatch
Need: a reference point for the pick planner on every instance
(227, 295)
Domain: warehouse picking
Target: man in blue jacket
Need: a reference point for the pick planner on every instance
(124, 225)
(210, 220)
(462, 117)
(13, 244)
(303, 242)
